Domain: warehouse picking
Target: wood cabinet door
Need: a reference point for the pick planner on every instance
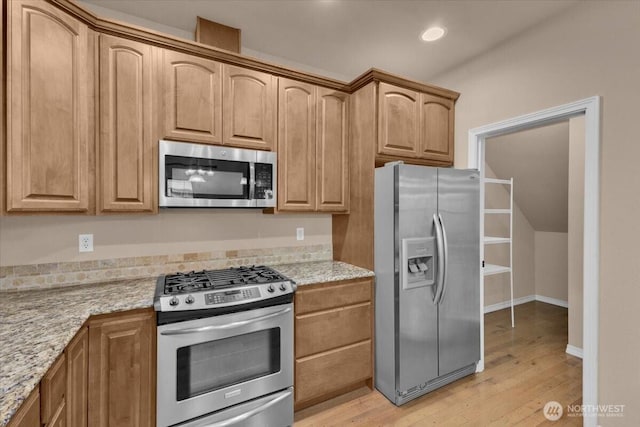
(296, 145)
(49, 76)
(332, 151)
(398, 121)
(126, 172)
(122, 370)
(28, 415)
(436, 128)
(249, 108)
(77, 353)
(193, 98)
(53, 388)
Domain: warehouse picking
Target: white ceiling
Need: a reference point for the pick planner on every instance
(538, 161)
(344, 38)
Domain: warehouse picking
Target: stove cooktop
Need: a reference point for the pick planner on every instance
(210, 289)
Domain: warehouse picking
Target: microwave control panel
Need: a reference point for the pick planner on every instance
(264, 181)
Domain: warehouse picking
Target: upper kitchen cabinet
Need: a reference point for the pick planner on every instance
(192, 88)
(332, 151)
(436, 128)
(398, 121)
(249, 108)
(414, 126)
(296, 145)
(313, 149)
(126, 168)
(49, 106)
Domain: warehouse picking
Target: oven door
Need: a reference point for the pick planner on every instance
(208, 364)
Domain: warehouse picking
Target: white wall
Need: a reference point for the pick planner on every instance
(551, 265)
(44, 239)
(592, 49)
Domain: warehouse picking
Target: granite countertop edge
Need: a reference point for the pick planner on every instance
(26, 356)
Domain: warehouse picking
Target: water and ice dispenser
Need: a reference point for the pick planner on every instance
(417, 267)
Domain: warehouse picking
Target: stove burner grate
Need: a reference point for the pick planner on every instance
(195, 281)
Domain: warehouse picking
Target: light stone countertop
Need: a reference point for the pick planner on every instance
(36, 326)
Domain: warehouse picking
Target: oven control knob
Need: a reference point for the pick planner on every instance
(283, 287)
(174, 301)
(271, 288)
(189, 299)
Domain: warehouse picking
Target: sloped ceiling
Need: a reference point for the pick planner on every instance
(538, 161)
(344, 38)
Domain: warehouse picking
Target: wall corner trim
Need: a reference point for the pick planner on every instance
(574, 351)
(554, 301)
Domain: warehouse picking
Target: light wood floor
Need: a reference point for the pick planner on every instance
(525, 367)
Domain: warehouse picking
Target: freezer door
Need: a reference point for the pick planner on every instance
(459, 308)
(417, 332)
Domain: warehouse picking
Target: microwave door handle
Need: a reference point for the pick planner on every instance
(245, 416)
(252, 180)
(225, 326)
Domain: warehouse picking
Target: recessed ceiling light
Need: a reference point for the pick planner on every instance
(433, 33)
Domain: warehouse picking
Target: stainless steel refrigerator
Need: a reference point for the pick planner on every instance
(427, 265)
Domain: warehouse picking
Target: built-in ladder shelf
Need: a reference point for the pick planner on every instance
(491, 269)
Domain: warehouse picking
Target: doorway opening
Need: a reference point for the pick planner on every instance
(590, 108)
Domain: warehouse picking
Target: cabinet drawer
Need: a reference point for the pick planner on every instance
(53, 389)
(326, 297)
(325, 373)
(326, 330)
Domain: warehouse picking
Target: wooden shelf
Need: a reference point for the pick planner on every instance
(497, 181)
(491, 269)
(488, 240)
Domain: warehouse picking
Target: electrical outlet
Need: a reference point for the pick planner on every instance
(85, 243)
(300, 233)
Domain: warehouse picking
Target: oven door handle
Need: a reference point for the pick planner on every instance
(225, 326)
(243, 417)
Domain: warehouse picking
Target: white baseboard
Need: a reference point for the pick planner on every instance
(522, 300)
(574, 351)
(553, 301)
(507, 304)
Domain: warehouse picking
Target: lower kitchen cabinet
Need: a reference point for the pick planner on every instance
(53, 390)
(28, 415)
(105, 377)
(122, 369)
(77, 354)
(333, 339)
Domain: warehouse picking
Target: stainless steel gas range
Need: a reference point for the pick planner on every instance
(225, 348)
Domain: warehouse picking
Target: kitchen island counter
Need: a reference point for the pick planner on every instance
(37, 325)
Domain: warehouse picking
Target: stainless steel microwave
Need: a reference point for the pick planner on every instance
(198, 175)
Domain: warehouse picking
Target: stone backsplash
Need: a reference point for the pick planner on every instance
(53, 275)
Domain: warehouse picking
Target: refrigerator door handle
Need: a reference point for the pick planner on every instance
(445, 245)
(440, 246)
